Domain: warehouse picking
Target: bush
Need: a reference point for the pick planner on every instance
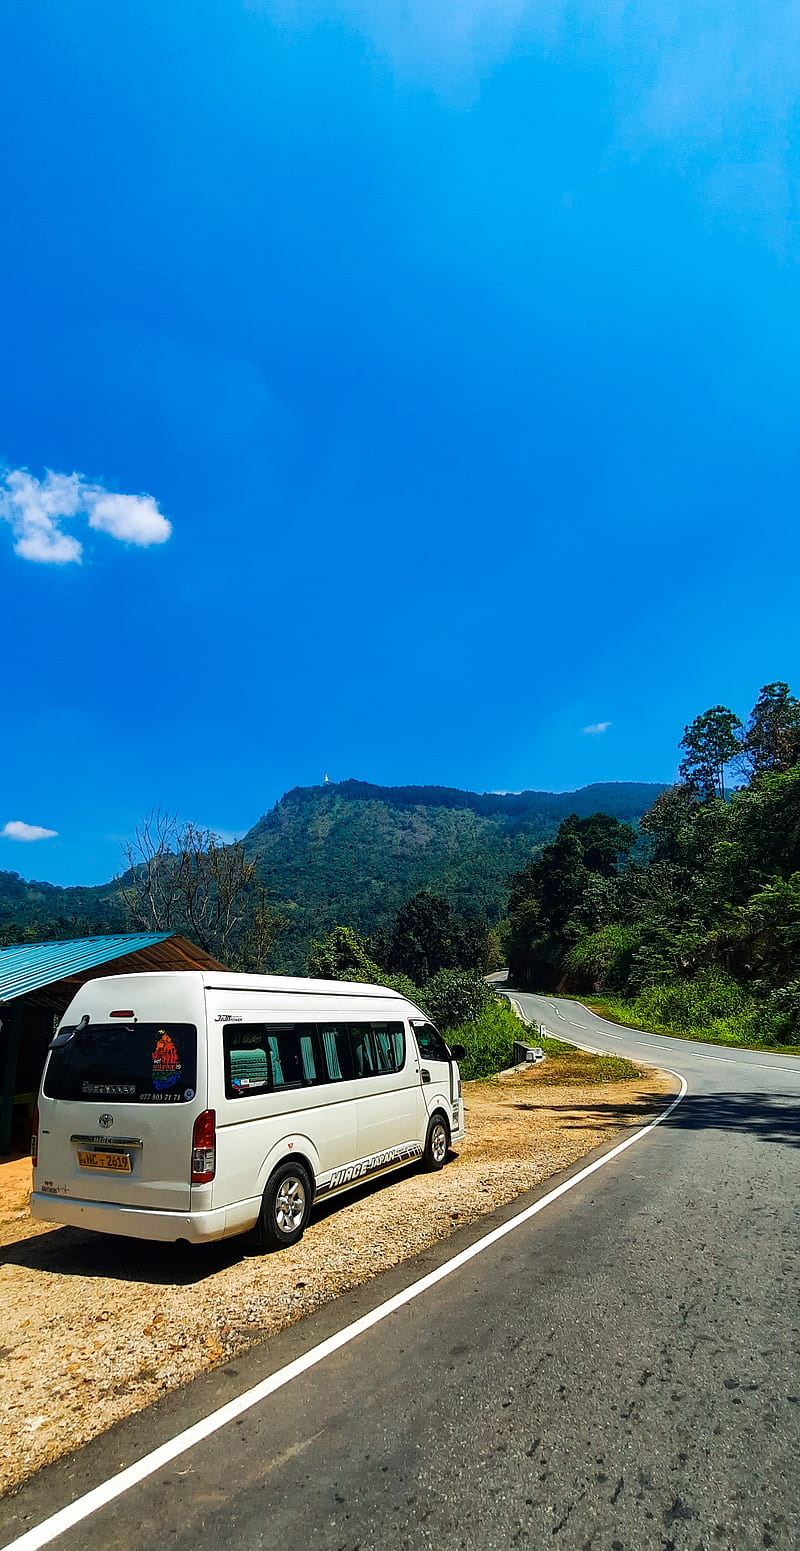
(454, 997)
(781, 1015)
(342, 955)
(488, 1040)
(710, 1001)
(712, 1005)
(602, 960)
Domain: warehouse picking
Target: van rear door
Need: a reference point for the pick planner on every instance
(117, 1111)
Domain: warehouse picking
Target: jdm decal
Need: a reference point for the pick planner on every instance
(166, 1063)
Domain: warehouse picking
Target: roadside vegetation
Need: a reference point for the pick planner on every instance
(690, 1017)
(430, 941)
(488, 1039)
(581, 1069)
(692, 924)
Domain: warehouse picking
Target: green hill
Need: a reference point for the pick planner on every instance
(37, 912)
(350, 853)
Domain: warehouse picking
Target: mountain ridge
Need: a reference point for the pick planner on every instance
(350, 853)
(490, 802)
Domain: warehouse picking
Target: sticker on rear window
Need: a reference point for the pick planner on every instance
(166, 1063)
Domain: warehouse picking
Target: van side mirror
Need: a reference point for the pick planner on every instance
(458, 1052)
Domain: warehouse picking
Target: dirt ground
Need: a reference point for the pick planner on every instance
(93, 1328)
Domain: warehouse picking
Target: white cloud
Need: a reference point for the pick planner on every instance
(596, 727)
(135, 519)
(36, 509)
(16, 830)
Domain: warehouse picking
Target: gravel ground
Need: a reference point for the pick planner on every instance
(94, 1328)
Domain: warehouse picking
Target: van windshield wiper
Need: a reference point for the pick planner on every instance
(66, 1036)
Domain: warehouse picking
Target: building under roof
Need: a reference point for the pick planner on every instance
(38, 981)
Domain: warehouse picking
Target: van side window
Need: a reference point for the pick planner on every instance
(431, 1045)
(336, 1051)
(269, 1057)
(378, 1048)
(364, 1060)
(390, 1046)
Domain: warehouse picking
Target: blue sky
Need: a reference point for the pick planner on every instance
(447, 357)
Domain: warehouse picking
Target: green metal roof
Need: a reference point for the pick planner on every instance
(37, 964)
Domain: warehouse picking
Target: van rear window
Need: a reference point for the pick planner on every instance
(136, 1063)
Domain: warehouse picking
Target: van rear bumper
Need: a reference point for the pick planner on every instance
(136, 1223)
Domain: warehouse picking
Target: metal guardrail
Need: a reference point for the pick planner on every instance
(527, 1054)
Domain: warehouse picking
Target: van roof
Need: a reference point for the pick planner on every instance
(295, 985)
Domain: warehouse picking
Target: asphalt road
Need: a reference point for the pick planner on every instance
(619, 1372)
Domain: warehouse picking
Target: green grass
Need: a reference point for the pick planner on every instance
(581, 1069)
(489, 1041)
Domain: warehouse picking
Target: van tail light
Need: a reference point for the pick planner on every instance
(204, 1148)
(35, 1137)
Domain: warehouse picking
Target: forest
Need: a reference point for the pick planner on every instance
(690, 921)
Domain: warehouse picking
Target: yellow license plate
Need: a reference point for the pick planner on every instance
(105, 1160)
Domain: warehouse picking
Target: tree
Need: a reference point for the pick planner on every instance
(548, 897)
(557, 879)
(181, 878)
(711, 743)
(342, 955)
(669, 821)
(771, 740)
(428, 936)
(603, 841)
(455, 996)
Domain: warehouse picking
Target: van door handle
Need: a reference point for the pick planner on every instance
(425, 1074)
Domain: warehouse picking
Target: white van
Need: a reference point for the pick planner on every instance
(195, 1104)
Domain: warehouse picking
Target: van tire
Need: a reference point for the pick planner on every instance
(437, 1143)
(286, 1207)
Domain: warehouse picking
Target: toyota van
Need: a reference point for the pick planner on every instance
(194, 1105)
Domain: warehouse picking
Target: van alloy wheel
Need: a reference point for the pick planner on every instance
(286, 1206)
(437, 1143)
(290, 1204)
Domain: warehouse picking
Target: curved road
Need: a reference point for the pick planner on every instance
(620, 1371)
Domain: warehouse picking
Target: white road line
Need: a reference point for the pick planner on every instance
(664, 1041)
(43, 1534)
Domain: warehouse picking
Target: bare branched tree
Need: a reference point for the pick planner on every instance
(182, 878)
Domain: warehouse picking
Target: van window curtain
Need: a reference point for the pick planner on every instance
(331, 1054)
(275, 1061)
(307, 1057)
